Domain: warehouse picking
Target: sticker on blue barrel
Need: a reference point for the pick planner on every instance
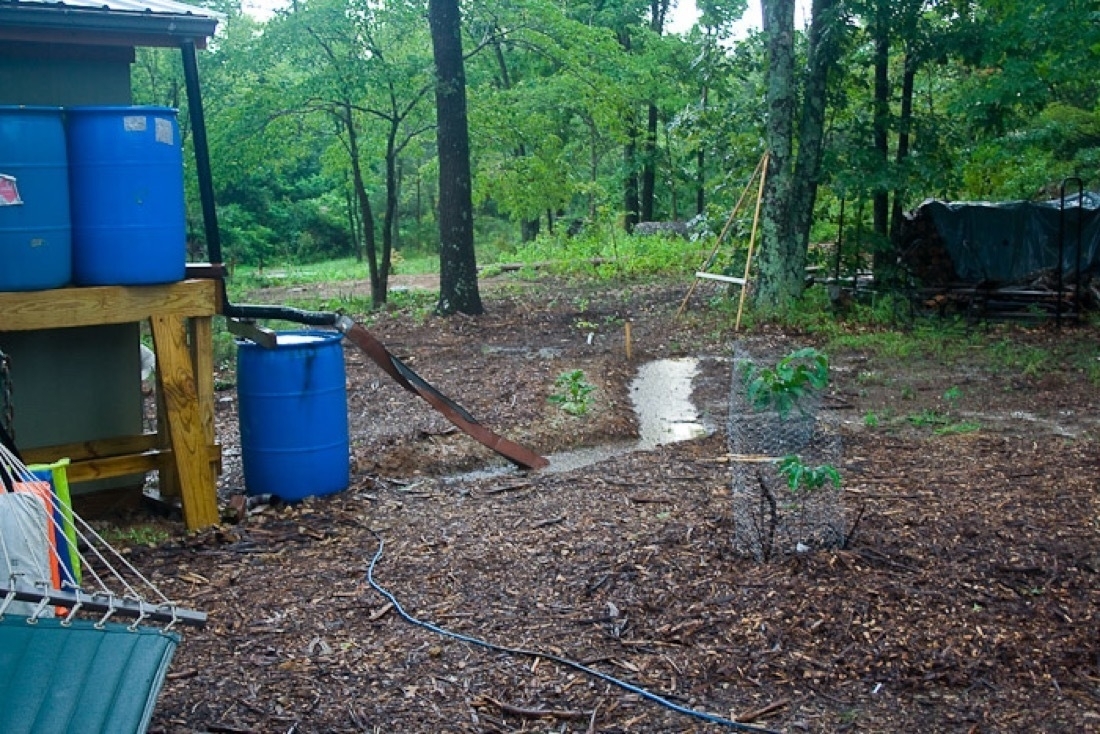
(9, 191)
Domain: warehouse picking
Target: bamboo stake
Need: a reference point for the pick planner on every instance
(722, 235)
(752, 241)
(626, 329)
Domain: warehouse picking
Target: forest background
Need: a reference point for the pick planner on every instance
(592, 114)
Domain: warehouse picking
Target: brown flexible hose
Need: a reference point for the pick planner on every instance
(519, 455)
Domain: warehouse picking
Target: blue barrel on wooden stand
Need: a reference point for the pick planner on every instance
(35, 226)
(126, 187)
(293, 413)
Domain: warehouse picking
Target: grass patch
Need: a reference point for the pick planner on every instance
(604, 251)
(131, 535)
(927, 418)
(955, 429)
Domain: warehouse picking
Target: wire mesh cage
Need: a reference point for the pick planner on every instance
(775, 512)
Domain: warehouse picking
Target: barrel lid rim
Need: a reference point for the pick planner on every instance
(131, 109)
(31, 108)
(309, 337)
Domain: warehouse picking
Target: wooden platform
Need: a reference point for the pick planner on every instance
(182, 449)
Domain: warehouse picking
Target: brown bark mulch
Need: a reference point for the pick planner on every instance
(967, 599)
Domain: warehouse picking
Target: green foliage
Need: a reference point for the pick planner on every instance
(928, 417)
(604, 251)
(573, 392)
(1028, 360)
(942, 422)
(804, 480)
(132, 535)
(961, 427)
(784, 386)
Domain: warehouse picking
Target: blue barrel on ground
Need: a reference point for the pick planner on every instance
(126, 188)
(293, 413)
(35, 227)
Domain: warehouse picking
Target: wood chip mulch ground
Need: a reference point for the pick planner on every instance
(967, 599)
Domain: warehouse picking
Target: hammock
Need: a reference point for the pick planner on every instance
(66, 665)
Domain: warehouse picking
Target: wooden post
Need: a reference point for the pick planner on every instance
(185, 421)
(752, 241)
(722, 235)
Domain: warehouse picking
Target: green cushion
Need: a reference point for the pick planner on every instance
(79, 679)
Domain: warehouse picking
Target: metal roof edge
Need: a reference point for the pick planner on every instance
(71, 20)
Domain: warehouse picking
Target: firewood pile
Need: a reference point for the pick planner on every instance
(923, 253)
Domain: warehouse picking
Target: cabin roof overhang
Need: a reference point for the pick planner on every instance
(111, 23)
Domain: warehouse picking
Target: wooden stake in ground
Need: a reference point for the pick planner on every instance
(718, 243)
(752, 241)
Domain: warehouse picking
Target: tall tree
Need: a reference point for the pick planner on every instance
(791, 185)
(880, 31)
(658, 9)
(458, 289)
(780, 265)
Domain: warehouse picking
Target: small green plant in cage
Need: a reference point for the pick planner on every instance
(785, 386)
(574, 392)
(805, 480)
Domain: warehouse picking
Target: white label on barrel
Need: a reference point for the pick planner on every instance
(9, 191)
(164, 131)
(294, 339)
(134, 123)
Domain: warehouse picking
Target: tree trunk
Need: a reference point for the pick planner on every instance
(366, 216)
(649, 166)
(700, 164)
(353, 220)
(529, 229)
(631, 204)
(904, 124)
(778, 282)
(593, 166)
(630, 178)
(880, 211)
(458, 288)
(389, 220)
(658, 9)
(821, 54)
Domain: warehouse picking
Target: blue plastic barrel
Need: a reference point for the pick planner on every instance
(126, 186)
(35, 231)
(293, 412)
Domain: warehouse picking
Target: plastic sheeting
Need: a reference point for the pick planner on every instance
(1009, 242)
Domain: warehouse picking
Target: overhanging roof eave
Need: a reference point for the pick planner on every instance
(103, 27)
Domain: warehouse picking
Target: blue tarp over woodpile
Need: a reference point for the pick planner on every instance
(1007, 242)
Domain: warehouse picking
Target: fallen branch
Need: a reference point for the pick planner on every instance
(641, 500)
(762, 711)
(548, 521)
(592, 720)
(379, 613)
(535, 713)
(506, 488)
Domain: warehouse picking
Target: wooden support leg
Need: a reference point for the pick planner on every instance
(185, 421)
(168, 478)
(202, 361)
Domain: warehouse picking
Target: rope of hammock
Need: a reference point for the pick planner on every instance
(117, 587)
